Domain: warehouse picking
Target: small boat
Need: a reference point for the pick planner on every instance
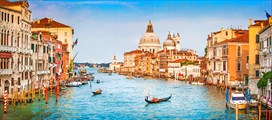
(254, 103)
(194, 83)
(63, 88)
(155, 100)
(239, 99)
(84, 82)
(200, 83)
(74, 84)
(99, 91)
(129, 77)
(97, 81)
(110, 73)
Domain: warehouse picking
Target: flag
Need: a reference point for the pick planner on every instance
(74, 43)
(267, 14)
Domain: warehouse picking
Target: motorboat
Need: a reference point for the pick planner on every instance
(73, 84)
(238, 98)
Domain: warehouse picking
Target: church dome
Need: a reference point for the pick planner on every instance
(149, 37)
(169, 41)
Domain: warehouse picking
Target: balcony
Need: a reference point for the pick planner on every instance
(42, 72)
(7, 48)
(28, 51)
(5, 71)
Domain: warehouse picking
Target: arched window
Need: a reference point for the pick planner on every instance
(2, 37)
(18, 40)
(11, 39)
(5, 37)
(7, 42)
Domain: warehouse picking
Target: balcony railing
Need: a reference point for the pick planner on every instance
(28, 51)
(41, 72)
(7, 48)
(5, 71)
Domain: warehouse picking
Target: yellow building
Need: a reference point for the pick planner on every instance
(254, 53)
(64, 32)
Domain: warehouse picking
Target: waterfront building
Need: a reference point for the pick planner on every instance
(149, 60)
(65, 62)
(227, 54)
(203, 67)
(64, 32)
(40, 49)
(114, 65)
(149, 40)
(15, 52)
(183, 68)
(129, 58)
(54, 55)
(254, 53)
(265, 41)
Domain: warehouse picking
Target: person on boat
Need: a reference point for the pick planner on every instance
(99, 90)
(155, 100)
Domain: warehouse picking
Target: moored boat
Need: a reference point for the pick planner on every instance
(156, 100)
(73, 84)
(238, 98)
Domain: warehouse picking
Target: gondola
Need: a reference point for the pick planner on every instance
(97, 92)
(158, 100)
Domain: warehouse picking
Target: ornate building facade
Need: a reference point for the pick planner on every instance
(15, 37)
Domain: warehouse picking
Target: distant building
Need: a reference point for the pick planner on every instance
(149, 40)
(114, 65)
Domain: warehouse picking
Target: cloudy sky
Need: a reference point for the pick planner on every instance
(111, 27)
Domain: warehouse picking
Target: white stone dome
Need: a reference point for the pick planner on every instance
(149, 38)
(169, 41)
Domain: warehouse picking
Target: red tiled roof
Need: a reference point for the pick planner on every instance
(259, 22)
(47, 23)
(8, 3)
(133, 51)
(242, 39)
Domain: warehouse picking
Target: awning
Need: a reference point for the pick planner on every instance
(5, 55)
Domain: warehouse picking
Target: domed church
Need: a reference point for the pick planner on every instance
(149, 40)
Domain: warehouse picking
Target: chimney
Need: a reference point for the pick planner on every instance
(262, 25)
(250, 21)
(38, 21)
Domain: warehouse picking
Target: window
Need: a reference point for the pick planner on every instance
(257, 59)
(224, 65)
(226, 33)
(19, 82)
(32, 47)
(214, 66)
(238, 66)
(18, 20)
(65, 33)
(257, 73)
(257, 38)
(247, 59)
(65, 40)
(238, 51)
(12, 81)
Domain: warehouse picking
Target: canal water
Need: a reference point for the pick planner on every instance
(123, 98)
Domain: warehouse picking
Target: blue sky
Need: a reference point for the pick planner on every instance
(108, 27)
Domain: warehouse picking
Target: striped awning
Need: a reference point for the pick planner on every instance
(5, 55)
